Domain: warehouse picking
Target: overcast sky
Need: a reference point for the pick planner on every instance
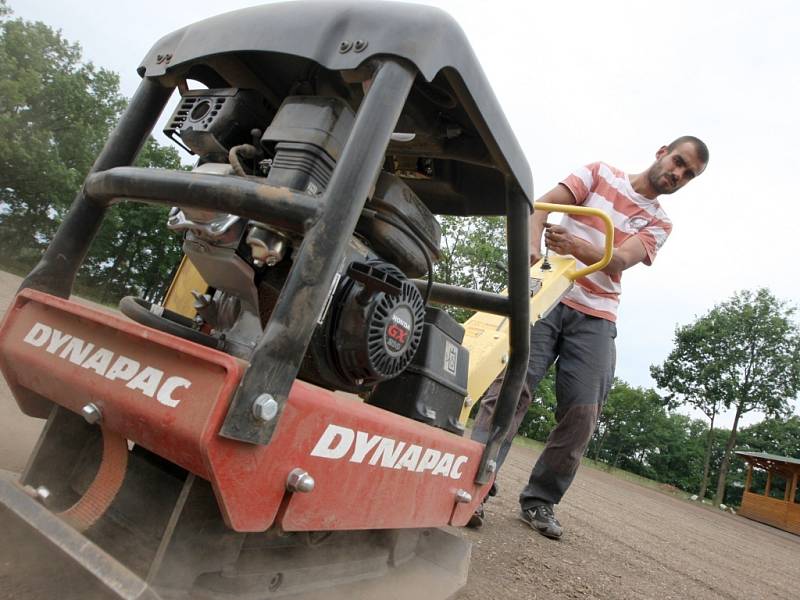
(610, 80)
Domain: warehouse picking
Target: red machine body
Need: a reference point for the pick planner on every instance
(372, 469)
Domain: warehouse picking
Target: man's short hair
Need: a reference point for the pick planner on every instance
(699, 146)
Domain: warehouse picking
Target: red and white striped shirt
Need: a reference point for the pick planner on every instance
(599, 185)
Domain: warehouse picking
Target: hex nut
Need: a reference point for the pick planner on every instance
(265, 408)
(91, 413)
(463, 497)
(300, 481)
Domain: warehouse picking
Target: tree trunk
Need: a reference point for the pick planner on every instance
(115, 270)
(616, 459)
(707, 458)
(600, 445)
(726, 460)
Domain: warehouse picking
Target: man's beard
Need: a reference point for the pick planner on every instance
(654, 177)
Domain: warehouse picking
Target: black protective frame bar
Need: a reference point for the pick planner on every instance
(458, 296)
(276, 359)
(313, 277)
(244, 197)
(519, 339)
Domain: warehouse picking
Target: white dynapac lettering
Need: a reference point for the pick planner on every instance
(336, 442)
(148, 380)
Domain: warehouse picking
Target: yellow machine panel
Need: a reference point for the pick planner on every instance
(486, 334)
(179, 297)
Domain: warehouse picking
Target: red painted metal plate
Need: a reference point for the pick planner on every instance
(372, 469)
(153, 388)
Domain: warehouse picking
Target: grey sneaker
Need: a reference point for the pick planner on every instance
(542, 519)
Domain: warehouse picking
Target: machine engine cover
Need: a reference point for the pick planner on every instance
(211, 122)
(378, 325)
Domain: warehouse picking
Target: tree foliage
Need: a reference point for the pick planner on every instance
(134, 253)
(744, 353)
(626, 432)
(540, 418)
(56, 112)
(473, 255)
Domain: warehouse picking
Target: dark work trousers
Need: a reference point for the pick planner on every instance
(583, 350)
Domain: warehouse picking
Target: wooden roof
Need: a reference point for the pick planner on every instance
(771, 461)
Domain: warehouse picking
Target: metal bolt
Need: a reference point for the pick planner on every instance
(344, 46)
(491, 466)
(91, 413)
(300, 481)
(463, 497)
(360, 45)
(40, 494)
(265, 408)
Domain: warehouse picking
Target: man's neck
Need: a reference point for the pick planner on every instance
(641, 185)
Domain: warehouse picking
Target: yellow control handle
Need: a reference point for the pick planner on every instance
(584, 210)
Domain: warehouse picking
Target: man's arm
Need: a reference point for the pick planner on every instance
(629, 253)
(558, 195)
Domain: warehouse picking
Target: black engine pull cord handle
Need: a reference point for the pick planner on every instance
(374, 280)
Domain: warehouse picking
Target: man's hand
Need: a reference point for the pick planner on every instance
(557, 239)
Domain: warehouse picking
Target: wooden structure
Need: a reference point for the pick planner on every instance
(772, 490)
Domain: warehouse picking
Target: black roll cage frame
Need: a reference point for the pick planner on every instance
(327, 224)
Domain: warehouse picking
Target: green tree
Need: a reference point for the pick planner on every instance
(626, 435)
(775, 436)
(680, 451)
(55, 114)
(690, 378)
(473, 255)
(540, 418)
(134, 252)
(750, 361)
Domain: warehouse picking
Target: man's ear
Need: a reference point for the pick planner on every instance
(662, 152)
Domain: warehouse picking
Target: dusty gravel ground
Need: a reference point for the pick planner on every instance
(624, 540)
(18, 433)
(621, 540)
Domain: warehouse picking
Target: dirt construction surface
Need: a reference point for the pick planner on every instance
(621, 540)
